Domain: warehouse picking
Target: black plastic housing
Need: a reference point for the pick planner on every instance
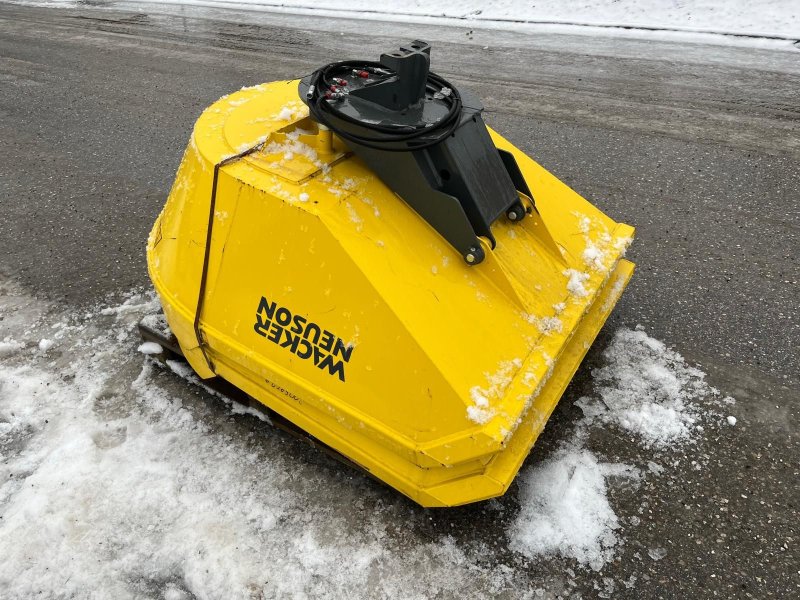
(460, 184)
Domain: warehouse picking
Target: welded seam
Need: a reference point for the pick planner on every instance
(201, 294)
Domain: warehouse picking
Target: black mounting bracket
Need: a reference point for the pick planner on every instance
(406, 86)
(461, 184)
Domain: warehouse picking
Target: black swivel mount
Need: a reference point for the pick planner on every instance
(425, 139)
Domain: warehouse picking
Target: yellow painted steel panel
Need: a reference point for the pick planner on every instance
(331, 301)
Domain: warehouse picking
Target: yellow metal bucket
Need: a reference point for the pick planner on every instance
(287, 268)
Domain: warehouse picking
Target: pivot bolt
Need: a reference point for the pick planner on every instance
(512, 215)
(470, 258)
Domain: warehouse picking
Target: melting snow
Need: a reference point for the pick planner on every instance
(150, 348)
(657, 553)
(643, 387)
(352, 214)
(122, 483)
(565, 508)
(616, 291)
(647, 389)
(480, 411)
(118, 481)
(575, 283)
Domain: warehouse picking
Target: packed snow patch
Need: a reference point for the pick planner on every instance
(642, 387)
(150, 348)
(565, 508)
(646, 389)
(9, 347)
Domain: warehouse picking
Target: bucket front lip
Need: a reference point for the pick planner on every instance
(483, 441)
(503, 467)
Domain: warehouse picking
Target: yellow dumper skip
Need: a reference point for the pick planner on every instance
(328, 299)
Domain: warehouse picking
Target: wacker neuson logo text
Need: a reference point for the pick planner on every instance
(302, 337)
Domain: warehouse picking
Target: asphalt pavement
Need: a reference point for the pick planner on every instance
(696, 146)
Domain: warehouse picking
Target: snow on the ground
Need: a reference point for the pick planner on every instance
(115, 484)
(150, 348)
(643, 387)
(116, 481)
(765, 17)
(565, 508)
(690, 20)
(647, 389)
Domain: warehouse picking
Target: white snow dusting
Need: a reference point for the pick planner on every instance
(575, 283)
(480, 411)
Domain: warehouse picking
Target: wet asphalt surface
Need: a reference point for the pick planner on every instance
(698, 147)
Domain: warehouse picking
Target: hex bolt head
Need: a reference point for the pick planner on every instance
(470, 257)
(512, 215)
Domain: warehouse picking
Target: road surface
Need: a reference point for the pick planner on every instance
(696, 146)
